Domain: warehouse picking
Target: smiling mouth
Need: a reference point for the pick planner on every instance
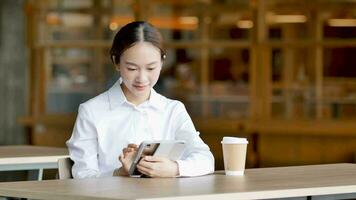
(140, 87)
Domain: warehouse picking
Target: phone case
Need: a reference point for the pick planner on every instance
(172, 149)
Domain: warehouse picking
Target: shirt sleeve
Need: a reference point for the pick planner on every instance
(197, 159)
(83, 146)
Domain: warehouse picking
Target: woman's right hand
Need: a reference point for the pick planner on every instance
(126, 158)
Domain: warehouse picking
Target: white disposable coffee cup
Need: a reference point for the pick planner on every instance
(234, 153)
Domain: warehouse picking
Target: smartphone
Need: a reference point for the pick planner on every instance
(171, 149)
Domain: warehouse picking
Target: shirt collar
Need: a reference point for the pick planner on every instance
(117, 97)
(155, 100)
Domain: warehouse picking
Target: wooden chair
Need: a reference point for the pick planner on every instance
(65, 168)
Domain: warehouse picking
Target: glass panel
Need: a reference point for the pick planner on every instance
(77, 20)
(228, 95)
(339, 98)
(120, 13)
(68, 4)
(340, 23)
(179, 76)
(293, 93)
(294, 27)
(294, 104)
(71, 78)
(175, 21)
(181, 20)
(339, 93)
(340, 62)
(341, 32)
(288, 20)
(235, 25)
(292, 66)
(67, 25)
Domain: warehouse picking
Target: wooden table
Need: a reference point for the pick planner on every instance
(260, 183)
(26, 157)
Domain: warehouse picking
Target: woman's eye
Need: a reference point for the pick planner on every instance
(150, 69)
(131, 69)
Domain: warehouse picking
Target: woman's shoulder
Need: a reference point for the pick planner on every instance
(171, 103)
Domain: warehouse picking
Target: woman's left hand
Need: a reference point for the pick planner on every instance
(154, 166)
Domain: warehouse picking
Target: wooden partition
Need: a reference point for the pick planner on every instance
(278, 72)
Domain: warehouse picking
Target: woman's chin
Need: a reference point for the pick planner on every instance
(141, 93)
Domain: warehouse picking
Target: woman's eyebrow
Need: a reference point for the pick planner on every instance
(136, 65)
(151, 63)
(131, 63)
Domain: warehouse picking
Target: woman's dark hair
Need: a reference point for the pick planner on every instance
(135, 32)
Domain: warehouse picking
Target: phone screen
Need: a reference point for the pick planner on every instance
(148, 150)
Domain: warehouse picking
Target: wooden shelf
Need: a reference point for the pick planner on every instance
(73, 43)
(307, 119)
(62, 60)
(220, 98)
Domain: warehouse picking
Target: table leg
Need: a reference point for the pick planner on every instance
(36, 174)
(40, 174)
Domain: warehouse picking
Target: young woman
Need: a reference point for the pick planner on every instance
(110, 127)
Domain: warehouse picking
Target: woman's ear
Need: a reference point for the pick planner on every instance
(113, 59)
(117, 67)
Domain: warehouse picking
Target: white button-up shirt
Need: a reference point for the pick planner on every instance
(108, 123)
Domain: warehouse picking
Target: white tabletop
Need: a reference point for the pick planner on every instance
(27, 157)
(27, 154)
(260, 183)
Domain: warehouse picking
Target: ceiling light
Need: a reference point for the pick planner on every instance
(188, 20)
(244, 24)
(342, 22)
(271, 18)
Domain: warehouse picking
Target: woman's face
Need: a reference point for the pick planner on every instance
(140, 66)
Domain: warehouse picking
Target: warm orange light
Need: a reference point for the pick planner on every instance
(272, 18)
(53, 19)
(342, 22)
(182, 23)
(164, 22)
(244, 24)
(113, 26)
(188, 20)
(121, 20)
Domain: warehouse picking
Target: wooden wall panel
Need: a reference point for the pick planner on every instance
(279, 150)
(51, 137)
(311, 150)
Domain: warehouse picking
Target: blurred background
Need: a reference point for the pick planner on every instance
(280, 72)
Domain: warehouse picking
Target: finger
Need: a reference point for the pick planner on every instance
(125, 154)
(146, 164)
(127, 151)
(131, 149)
(145, 170)
(121, 158)
(124, 150)
(134, 146)
(154, 159)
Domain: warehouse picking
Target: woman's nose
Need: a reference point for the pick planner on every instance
(142, 76)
